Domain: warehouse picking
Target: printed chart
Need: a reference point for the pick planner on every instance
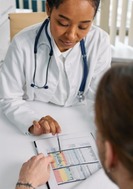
(77, 161)
(74, 164)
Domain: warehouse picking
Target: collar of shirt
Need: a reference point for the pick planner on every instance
(62, 90)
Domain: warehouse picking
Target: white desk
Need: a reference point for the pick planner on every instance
(15, 148)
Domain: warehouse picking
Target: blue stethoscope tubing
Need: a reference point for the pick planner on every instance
(83, 51)
(44, 24)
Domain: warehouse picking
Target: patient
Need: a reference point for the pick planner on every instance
(114, 120)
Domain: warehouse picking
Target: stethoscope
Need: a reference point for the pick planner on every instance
(83, 51)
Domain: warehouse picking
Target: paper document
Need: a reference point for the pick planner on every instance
(77, 161)
(97, 180)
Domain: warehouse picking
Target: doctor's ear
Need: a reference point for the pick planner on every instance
(48, 9)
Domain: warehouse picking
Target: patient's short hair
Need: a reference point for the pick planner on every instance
(114, 111)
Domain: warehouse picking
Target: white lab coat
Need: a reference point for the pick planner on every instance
(18, 68)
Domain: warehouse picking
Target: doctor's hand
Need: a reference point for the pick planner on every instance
(45, 125)
(35, 171)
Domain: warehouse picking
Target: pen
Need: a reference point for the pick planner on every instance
(36, 147)
(48, 187)
(47, 184)
(59, 143)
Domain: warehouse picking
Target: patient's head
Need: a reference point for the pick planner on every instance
(114, 120)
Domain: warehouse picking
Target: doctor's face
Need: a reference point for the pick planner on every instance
(70, 22)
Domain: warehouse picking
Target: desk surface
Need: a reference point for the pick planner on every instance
(16, 147)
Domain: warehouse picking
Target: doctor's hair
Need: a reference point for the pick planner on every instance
(114, 111)
(56, 3)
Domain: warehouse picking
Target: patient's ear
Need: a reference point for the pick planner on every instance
(110, 156)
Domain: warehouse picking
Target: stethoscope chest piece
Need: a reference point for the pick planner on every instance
(80, 96)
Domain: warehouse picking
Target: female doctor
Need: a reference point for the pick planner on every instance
(59, 61)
